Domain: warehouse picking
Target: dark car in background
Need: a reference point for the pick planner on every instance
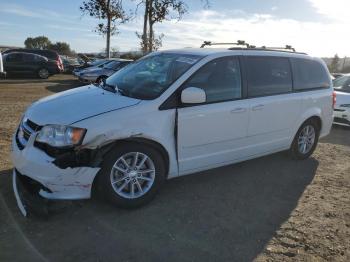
(23, 63)
(98, 74)
(49, 54)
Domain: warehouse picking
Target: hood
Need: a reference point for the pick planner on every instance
(77, 104)
(342, 98)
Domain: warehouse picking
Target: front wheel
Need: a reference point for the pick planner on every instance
(305, 141)
(43, 73)
(131, 175)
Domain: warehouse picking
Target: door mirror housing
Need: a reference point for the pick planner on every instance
(193, 95)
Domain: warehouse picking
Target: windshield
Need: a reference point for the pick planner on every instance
(111, 65)
(149, 77)
(98, 62)
(342, 84)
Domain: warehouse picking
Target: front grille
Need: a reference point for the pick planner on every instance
(32, 125)
(25, 129)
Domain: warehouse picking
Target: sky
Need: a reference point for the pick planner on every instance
(317, 27)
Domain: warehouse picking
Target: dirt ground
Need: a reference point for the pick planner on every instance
(268, 209)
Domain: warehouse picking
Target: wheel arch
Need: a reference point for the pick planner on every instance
(316, 117)
(141, 140)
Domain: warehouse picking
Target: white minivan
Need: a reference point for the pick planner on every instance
(169, 114)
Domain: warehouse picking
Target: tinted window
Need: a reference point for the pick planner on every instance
(28, 58)
(268, 76)
(220, 79)
(14, 57)
(309, 74)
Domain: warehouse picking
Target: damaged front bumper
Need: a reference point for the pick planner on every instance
(27, 197)
(57, 183)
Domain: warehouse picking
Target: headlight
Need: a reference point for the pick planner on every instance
(345, 105)
(61, 136)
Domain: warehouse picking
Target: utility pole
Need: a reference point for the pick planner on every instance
(108, 47)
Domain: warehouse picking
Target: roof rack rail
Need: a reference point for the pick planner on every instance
(287, 47)
(238, 43)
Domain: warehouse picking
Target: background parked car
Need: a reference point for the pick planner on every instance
(27, 63)
(69, 64)
(337, 75)
(98, 74)
(89, 65)
(342, 106)
(49, 54)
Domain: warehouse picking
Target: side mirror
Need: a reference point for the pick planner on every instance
(193, 95)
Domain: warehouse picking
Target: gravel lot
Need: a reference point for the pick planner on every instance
(268, 209)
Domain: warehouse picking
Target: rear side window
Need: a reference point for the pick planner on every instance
(309, 74)
(268, 76)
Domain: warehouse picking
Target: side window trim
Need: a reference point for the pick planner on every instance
(173, 101)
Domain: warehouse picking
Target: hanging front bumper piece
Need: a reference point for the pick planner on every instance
(27, 195)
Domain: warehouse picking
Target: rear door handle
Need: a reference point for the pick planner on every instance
(238, 110)
(258, 107)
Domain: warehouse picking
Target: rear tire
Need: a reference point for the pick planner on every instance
(305, 140)
(130, 183)
(43, 73)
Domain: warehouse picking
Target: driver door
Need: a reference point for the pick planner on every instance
(213, 134)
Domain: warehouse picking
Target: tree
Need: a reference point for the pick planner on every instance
(111, 14)
(334, 64)
(62, 48)
(39, 42)
(156, 11)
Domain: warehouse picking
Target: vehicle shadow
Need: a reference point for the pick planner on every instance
(225, 214)
(339, 135)
(63, 85)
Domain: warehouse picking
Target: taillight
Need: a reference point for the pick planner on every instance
(59, 63)
(334, 99)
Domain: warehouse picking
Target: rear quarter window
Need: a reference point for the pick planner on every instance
(268, 75)
(309, 74)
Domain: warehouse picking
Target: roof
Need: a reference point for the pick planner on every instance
(237, 51)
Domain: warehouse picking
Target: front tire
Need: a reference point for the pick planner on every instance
(131, 175)
(305, 141)
(43, 73)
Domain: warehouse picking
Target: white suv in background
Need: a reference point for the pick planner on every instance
(169, 114)
(342, 106)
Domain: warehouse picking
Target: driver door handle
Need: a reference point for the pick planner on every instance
(257, 107)
(238, 110)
